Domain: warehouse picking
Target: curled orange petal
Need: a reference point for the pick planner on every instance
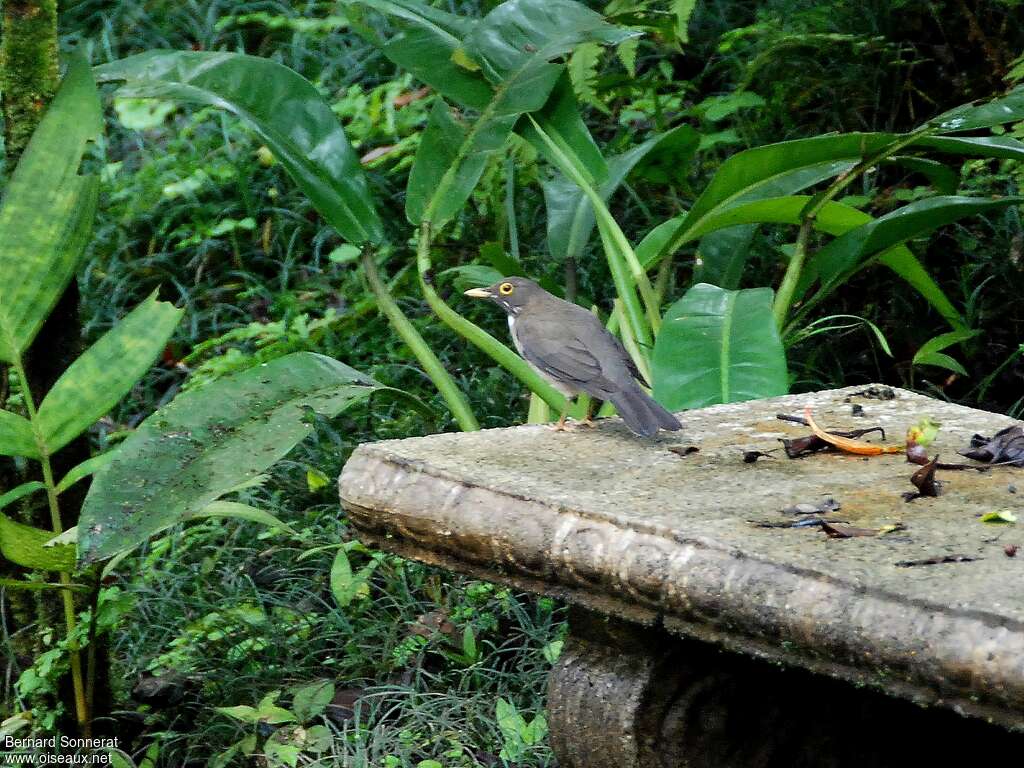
(849, 445)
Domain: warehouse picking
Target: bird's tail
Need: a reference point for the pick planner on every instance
(642, 413)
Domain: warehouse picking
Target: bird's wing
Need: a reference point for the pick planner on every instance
(556, 349)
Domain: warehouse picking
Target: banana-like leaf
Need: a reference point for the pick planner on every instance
(941, 176)
(26, 546)
(834, 263)
(206, 442)
(746, 173)
(723, 255)
(281, 107)
(16, 436)
(426, 45)
(105, 372)
(570, 214)
(718, 346)
(47, 212)
(513, 45)
(429, 42)
(970, 117)
(449, 161)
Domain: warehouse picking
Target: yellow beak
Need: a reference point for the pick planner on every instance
(478, 293)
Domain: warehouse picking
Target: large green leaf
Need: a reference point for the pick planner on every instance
(834, 263)
(449, 161)
(106, 372)
(970, 117)
(208, 441)
(718, 346)
(723, 255)
(513, 45)
(16, 436)
(27, 546)
(746, 173)
(570, 213)
(47, 212)
(425, 45)
(284, 109)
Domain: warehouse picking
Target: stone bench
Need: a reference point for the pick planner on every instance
(700, 637)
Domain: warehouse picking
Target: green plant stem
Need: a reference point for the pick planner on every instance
(457, 402)
(70, 620)
(630, 343)
(808, 216)
(627, 271)
(497, 351)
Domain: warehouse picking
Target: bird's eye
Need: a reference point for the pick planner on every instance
(505, 289)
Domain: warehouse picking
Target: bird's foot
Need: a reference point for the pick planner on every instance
(562, 426)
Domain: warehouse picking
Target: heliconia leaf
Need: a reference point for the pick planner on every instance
(746, 173)
(283, 108)
(970, 117)
(718, 346)
(26, 546)
(571, 219)
(513, 44)
(106, 372)
(513, 40)
(208, 441)
(449, 161)
(47, 211)
(836, 261)
(427, 44)
(16, 436)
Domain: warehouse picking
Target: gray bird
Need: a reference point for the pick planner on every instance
(569, 347)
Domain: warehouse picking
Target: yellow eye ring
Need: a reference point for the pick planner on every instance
(505, 289)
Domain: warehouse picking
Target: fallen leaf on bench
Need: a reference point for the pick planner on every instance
(1010, 550)
(684, 450)
(838, 531)
(1002, 516)
(749, 457)
(807, 522)
(937, 560)
(796, 447)
(925, 482)
(850, 445)
(1005, 447)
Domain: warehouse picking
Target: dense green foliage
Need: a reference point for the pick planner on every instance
(625, 162)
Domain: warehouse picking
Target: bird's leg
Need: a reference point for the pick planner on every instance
(587, 421)
(560, 426)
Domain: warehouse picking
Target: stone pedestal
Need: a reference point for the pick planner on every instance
(704, 634)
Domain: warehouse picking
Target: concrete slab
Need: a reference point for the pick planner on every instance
(626, 527)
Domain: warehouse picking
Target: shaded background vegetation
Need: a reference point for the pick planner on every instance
(224, 613)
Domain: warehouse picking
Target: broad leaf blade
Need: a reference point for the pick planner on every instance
(47, 212)
(16, 437)
(839, 259)
(282, 108)
(26, 546)
(747, 173)
(970, 117)
(449, 161)
(426, 46)
(206, 442)
(105, 372)
(518, 33)
(570, 214)
(718, 346)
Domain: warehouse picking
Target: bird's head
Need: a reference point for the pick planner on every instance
(510, 293)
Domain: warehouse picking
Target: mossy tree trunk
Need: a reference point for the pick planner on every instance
(29, 78)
